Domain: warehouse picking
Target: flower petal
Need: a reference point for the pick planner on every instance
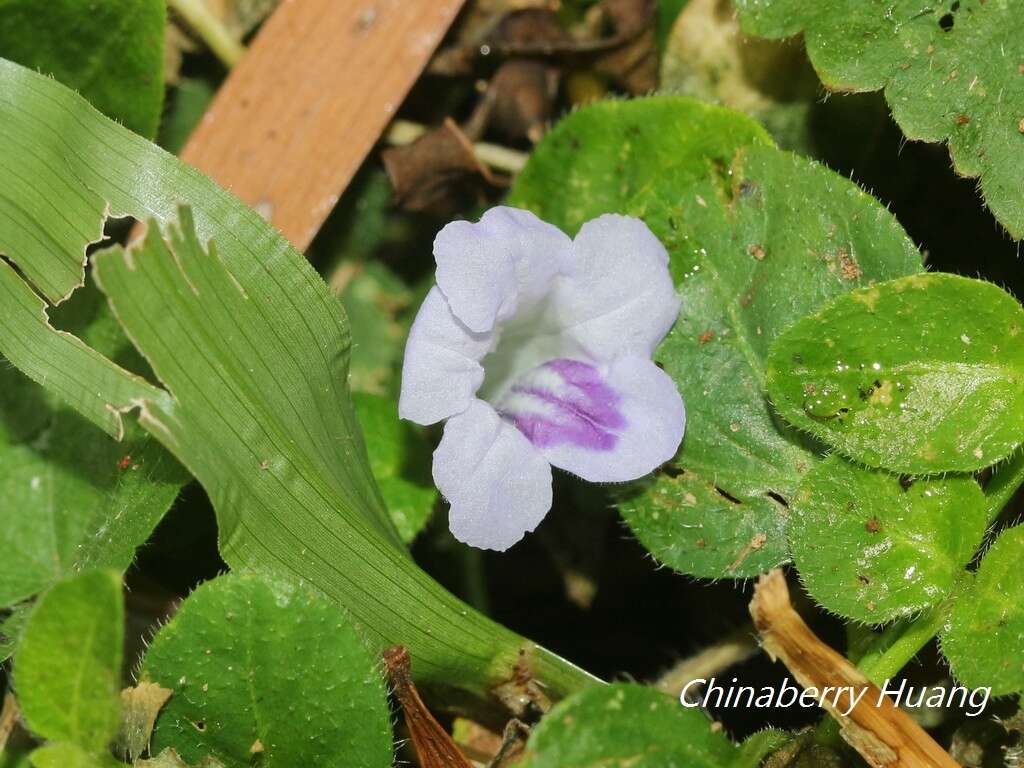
(487, 269)
(610, 424)
(442, 370)
(499, 485)
(617, 297)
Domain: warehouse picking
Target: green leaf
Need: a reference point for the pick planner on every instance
(111, 52)
(314, 512)
(922, 374)
(1006, 480)
(668, 12)
(400, 460)
(98, 389)
(169, 758)
(756, 747)
(609, 157)
(188, 103)
(76, 498)
(262, 666)
(750, 255)
(11, 628)
(264, 390)
(950, 72)
(67, 670)
(873, 549)
(373, 298)
(15, 756)
(629, 726)
(65, 755)
(708, 57)
(984, 634)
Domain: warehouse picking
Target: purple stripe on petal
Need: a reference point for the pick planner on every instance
(565, 401)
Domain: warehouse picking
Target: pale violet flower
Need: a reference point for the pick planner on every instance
(537, 349)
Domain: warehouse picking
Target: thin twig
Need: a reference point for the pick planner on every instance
(734, 649)
(404, 132)
(8, 717)
(209, 28)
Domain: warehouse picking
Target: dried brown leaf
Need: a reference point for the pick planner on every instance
(437, 172)
(139, 709)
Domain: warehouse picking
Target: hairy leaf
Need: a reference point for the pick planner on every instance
(984, 635)
(951, 72)
(262, 666)
(750, 255)
(922, 374)
(627, 725)
(314, 512)
(616, 156)
(110, 52)
(756, 747)
(67, 670)
(872, 548)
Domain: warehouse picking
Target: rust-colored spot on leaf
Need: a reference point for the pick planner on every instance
(849, 269)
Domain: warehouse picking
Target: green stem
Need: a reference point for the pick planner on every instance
(893, 648)
(221, 42)
(1006, 481)
(887, 655)
(475, 579)
(898, 644)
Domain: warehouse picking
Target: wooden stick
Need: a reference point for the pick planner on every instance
(298, 115)
(884, 735)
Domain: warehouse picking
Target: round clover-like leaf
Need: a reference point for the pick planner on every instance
(67, 670)
(626, 725)
(757, 239)
(984, 634)
(950, 72)
(262, 666)
(607, 157)
(917, 375)
(872, 548)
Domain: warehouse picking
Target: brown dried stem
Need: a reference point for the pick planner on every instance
(884, 735)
